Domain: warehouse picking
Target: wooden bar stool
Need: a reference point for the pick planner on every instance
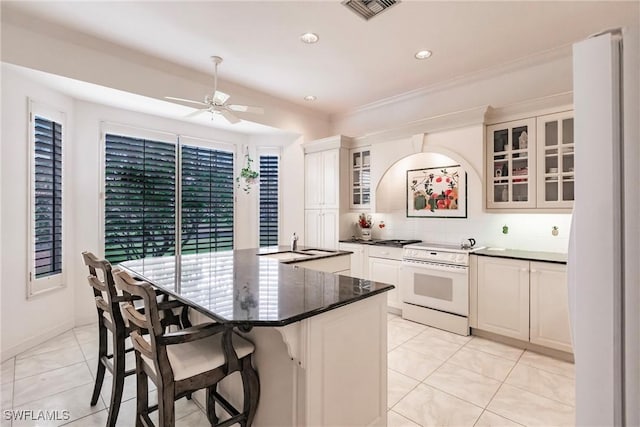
(110, 318)
(184, 361)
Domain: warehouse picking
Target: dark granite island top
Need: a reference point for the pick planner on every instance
(243, 289)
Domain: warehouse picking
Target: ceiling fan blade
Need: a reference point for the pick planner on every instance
(246, 109)
(195, 113)
(229, 116)
(184, 100)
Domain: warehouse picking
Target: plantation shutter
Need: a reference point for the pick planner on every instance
(207, 200)
(47, 230)
(140, 198)
(268, 200)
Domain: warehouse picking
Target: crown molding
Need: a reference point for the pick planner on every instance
(564, 51)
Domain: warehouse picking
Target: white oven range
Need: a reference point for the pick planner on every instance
(435, 283)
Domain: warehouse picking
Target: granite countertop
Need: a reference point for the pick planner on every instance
(555, 257)
(244, 289)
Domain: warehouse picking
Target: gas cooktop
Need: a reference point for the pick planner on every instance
(392, 242)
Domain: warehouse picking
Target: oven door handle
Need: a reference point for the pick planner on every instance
(433, 266)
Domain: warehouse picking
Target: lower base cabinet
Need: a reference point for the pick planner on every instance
(525, 300)
(549, 301)
(384, 266)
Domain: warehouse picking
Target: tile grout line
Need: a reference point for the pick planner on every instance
(503, 383)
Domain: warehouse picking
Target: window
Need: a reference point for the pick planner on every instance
(269, 200)
(140, 198)
(207, 200)
(46, 199)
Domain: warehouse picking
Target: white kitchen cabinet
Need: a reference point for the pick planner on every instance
(326, 191)
(529, 163)
(384, 266)
(526, 300)
(359, 259)
(321, 228)
(322, 180)
(550, 325)
(511, 164)
(503, 296)
(360, 194)
(555, 182)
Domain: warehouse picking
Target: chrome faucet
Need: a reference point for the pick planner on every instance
(294, 242)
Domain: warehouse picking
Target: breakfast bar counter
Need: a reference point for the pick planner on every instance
(320, 337)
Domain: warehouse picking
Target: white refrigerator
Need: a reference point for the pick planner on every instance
(604, 255)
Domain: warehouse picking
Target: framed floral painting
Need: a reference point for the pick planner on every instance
(437, 192)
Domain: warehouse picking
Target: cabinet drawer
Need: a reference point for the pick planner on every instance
(385, 252)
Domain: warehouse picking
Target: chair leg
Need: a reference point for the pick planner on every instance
(251, 386)
(102, 352)
(166, 408)
(211, 405)
(118, 379)
(142, 393)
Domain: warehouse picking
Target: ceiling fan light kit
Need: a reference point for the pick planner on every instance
(216, 102)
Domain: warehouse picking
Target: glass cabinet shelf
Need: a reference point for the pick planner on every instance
(360, 178)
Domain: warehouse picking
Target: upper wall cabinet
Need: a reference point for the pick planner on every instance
(360, 196)
(529, 163)
(322, 173)
(555, 168)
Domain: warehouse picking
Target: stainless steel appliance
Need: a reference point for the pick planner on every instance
(435, 283)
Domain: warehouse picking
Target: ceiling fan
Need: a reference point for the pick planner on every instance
(216, 103)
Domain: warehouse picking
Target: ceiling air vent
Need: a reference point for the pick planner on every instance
(367, 9)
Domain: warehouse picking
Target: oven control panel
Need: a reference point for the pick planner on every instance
(456, 258)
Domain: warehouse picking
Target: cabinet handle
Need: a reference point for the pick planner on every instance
(533, 271)
(524, 270)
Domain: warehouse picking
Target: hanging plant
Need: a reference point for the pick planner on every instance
(247, 176)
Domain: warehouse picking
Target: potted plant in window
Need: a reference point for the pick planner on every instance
(247, 176)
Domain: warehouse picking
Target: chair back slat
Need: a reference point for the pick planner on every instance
(149, 320)
(104, 289)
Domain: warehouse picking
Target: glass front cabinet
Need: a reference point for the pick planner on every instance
(511, 164)
(555, 168)
(360, 178)
(530, 163)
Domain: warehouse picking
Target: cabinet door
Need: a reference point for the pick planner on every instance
(511, 165)
(329, 229)
(550, 306)
(313, 190)
(360, 178)
(503, 296)
(387, 271)
(356, 269)
(330, 179)
(312, 227)
(556, 165)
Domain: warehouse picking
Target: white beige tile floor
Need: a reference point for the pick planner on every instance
(434, 379)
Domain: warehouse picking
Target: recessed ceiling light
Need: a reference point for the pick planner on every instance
(309, 38)
(423, 54)
(310, 98)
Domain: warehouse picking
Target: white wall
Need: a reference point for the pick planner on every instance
(460, 146)
(27, 322)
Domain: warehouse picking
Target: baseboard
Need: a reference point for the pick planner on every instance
(552, 352)
(28, 343)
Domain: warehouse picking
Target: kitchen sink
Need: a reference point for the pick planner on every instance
(288, 255)
(318, 251)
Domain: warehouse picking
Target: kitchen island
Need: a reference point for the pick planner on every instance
(320, 337)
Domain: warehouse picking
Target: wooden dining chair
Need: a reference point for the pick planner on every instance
(110, 319)
(187, 360)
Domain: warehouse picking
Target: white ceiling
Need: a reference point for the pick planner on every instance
(356, 62)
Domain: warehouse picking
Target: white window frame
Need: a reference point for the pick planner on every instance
(42, 285)
(270, 151)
